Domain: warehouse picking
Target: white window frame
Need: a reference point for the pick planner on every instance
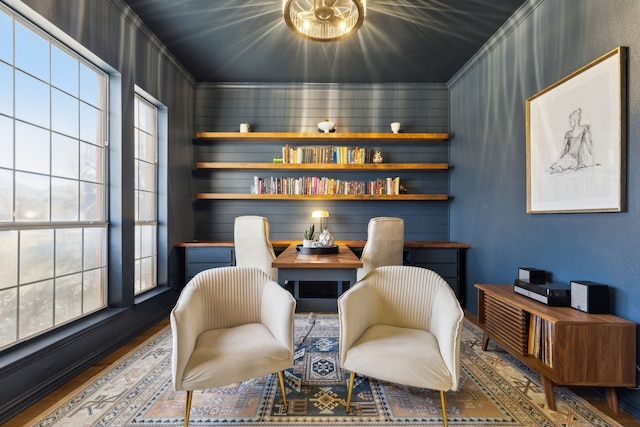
(146, 244)
(88, 274)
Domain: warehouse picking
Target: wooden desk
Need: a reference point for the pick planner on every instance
(297, 268)
(597, 350)
(444, 257)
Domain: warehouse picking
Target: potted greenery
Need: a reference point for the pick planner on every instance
(309, 232)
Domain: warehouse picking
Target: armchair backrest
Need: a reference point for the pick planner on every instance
(384, 246)
(252, 245)
(223, 297)
(406, 296)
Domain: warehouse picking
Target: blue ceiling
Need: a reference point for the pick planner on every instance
(401, 41)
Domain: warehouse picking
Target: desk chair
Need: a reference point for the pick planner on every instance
(384, 246)
(402, 324)
(252, 245)
(230, 324)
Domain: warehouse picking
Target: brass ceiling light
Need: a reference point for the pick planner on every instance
(324, 20)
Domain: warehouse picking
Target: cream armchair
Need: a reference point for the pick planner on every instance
(385, 244)
(402, 324)
(252, 245)
(230, 324)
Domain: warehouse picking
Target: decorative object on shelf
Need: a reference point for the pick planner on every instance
(324, 20)
(309, 232)
(377, 157)
(245, 127)
(395, 127)
(327, 126)
(278, 160)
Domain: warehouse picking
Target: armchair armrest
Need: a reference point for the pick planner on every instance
(187, 323)
(446, 325)
(277, 312)
(356, 313)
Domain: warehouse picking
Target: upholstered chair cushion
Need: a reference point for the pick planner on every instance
(384, 246)
(252, 245)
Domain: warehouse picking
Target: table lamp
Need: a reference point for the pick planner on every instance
(321, 215)
(324, 238)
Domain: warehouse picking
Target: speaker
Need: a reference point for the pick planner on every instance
(590, 297)
(532, 275)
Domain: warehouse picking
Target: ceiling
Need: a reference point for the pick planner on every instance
(401, 41)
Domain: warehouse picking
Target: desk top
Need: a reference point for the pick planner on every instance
(353, 244)
(290, 258)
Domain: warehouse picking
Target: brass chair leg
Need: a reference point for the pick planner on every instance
(188, 408)
(282, 389)
(351, 378)
(444, 408)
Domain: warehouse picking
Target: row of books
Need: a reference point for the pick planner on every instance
(327, 154)
(309, 185)
(540, 342)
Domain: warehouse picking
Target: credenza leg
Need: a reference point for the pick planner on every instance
(485, 340)
(612, 398)
(547, 385)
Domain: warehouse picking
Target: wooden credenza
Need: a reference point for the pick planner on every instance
(577, 348)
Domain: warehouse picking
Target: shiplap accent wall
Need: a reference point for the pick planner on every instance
(298, 108)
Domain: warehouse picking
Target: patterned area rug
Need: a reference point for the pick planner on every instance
(496, 390)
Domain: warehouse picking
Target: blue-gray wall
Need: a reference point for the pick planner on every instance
(487, 107)
(298, 108)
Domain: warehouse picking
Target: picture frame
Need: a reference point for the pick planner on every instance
(576, 140)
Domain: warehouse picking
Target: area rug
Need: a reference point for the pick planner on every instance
(496, 390)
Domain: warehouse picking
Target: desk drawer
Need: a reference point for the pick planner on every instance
(426, 256)
(199, 259)
(223, 255)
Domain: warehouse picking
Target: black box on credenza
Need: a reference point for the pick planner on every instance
(532, 275)
(590, 297)
(554, 294)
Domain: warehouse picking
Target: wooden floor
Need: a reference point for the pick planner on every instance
(26, 417)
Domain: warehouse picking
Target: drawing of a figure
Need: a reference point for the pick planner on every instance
(577, 150)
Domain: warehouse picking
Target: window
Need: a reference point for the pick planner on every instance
(146, 203)
(53, 228)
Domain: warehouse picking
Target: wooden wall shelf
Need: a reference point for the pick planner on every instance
(322, 137)
(322, 166)
(388, 197)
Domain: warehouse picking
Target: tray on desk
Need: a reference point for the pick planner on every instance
(317, 250)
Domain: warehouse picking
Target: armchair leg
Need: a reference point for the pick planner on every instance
(444, 408)
(351, 378)
(188, 407)
(282, 389)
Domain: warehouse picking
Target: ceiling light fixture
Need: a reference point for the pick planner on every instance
(324, 20)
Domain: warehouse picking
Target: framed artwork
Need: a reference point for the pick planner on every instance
(576, 140)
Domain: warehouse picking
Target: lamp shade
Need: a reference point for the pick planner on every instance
(324, 20)
(320, 214)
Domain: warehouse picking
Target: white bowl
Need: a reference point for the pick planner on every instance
(326, 126)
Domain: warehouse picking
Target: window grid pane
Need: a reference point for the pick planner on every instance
(146, 198)
(53, 262)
